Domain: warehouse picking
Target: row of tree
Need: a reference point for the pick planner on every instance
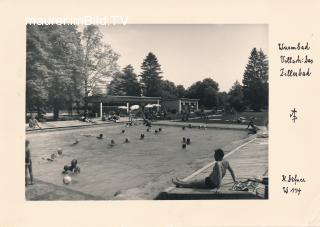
(253, 93)
(64, 66)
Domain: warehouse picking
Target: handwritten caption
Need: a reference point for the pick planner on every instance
(295, 184)
(295, 60)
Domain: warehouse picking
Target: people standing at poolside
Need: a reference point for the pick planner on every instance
(28, 164)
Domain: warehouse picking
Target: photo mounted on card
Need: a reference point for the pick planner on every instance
(146, 112)
(160, 113)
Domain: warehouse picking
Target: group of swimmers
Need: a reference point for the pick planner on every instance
(67, 169)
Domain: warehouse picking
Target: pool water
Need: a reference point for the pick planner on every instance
(144, 165)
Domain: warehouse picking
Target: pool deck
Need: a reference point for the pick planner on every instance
(61, 125)
(209, 125)
(248, 160)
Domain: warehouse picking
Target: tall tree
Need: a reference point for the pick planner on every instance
(222, 99)
(150, 76)
(64, 65)
(255, 81)
(115, 87)
(168, 90)
(207, 91)
(53, 63)
(125, 83)
(181, 91)
(131, 84)
(99, 61)
(36, 69)
(235, 97)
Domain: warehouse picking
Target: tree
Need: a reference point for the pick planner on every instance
(168, 90)
(99, 61)
(236, 97)
(181, 91)
(222, 99)
(150, 76)
(64, 64)
(115, 87)
(36, 69)
(255, 81)
(53, 63)
(131, 84)
(125, 83)
(206, 91)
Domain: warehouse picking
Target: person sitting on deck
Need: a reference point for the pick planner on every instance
(251, 123)
(251, 126)
(33, 123)
(213, 181)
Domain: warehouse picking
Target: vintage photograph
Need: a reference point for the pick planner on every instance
(147, 112)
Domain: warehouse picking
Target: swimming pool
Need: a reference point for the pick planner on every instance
(138, 170)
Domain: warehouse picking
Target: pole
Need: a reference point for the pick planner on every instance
(101, 109)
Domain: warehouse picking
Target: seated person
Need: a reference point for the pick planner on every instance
(251, 123)
(213, 181)
(252, 127)
(33, 123)
(73, 168)
(83, 118)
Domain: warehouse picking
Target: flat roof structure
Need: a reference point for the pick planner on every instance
(123, 100)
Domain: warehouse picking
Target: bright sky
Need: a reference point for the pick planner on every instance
(188, 53)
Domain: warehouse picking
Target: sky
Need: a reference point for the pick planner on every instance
(189, 53)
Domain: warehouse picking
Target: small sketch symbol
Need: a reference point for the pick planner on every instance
(293, 115)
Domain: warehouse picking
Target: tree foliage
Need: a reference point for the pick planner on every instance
(99, 60)
(235, 97)
(205, 90)
(151, 76)
(125, 83)
(36, 69)
(53, 62)
(255, 81)
(63, 66)
(181, 91)
(168, 90)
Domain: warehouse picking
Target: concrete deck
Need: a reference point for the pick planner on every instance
(51, 125)
(41, 190)
(248, 161)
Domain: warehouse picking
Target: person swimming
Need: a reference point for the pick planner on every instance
(73, 168)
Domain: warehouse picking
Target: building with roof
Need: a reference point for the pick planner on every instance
(115, 101)
(181, 104)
